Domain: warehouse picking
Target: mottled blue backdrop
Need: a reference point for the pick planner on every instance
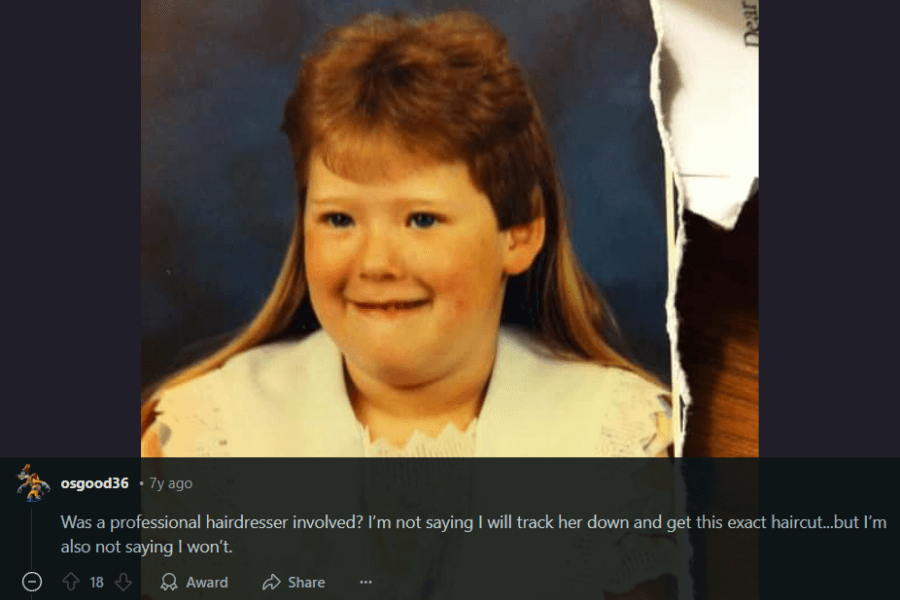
(217, 189)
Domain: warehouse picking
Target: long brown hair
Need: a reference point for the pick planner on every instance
(441, 88)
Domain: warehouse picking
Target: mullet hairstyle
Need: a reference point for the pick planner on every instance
(438, 89)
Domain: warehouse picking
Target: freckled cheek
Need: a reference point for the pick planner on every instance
(326, 265)
(469, 281)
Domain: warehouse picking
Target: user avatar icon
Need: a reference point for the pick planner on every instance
(168, 582)
(38, 486)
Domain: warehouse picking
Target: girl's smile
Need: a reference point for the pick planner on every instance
(391, 309)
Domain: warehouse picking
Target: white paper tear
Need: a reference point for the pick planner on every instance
(709, 195)
(705, 91)
(708, 101)
(675, 241)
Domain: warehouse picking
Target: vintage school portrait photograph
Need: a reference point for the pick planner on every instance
(402, 229)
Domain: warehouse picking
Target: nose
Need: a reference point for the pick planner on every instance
(380, 257)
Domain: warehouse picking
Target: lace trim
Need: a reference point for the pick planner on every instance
(197, 413)
(632, 428)
(450, 443)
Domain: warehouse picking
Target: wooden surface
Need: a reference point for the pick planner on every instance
(718, 300)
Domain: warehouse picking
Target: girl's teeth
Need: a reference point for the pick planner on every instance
(397, 306)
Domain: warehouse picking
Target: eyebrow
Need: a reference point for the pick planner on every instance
(351, 200)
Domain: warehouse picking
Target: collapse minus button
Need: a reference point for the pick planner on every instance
(32, 582)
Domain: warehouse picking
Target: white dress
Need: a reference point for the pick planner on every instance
(288, 399)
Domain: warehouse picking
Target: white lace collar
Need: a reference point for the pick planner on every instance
(450, 443)
(534, 406)
(289, 399)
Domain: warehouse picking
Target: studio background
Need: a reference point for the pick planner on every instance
(217, 184)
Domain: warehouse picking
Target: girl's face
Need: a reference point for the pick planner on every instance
(406, 275)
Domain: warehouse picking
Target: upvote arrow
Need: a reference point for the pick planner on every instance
(70, 580)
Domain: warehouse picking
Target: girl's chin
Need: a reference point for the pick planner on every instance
(389, 371)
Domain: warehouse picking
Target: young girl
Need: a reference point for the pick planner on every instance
(430, 303)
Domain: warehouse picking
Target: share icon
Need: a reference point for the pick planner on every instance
(271, 583)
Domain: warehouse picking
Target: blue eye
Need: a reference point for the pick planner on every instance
(423, 220)
(339, 220)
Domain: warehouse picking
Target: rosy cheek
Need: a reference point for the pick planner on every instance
(322, 266)
(470, 279)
